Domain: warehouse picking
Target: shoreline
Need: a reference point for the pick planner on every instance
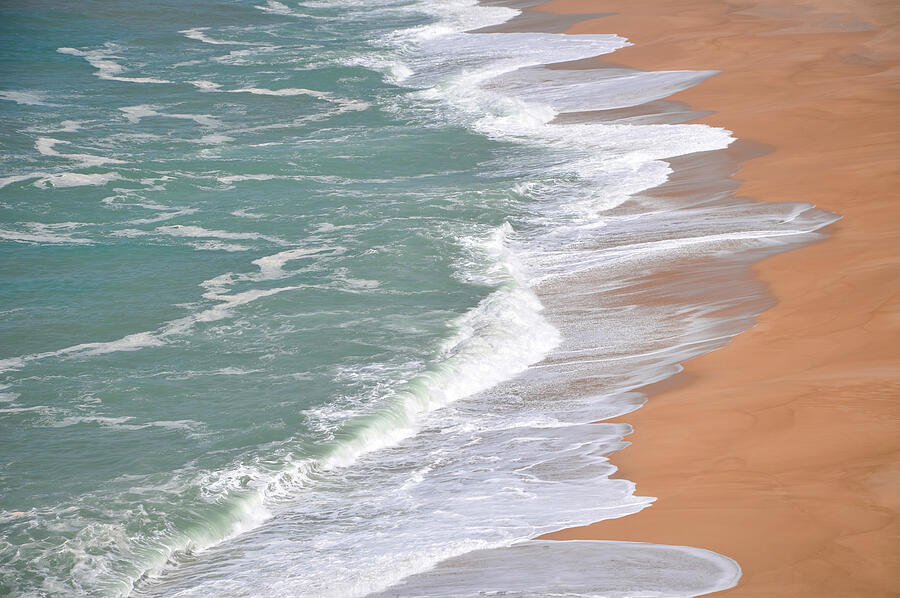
(780, 449)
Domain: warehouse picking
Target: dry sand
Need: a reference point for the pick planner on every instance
(782, 450)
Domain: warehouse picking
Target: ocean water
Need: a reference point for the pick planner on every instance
(320, 298)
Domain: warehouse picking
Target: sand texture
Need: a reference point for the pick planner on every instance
(782, 450)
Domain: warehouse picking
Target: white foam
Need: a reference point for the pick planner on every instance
(204, 85)
(243, 213)
(219, 246)
(145, 339)
(198, 33)
(185, 63)
(165, 214)
(181, 230)
(38, 233)
(275, 7)
(290, 91)
(243, 57)
(237, 178)
(181, 424)
(131, 342)
(342, 104)
(134, 114)
(111, 422)
(107, 68)
(16, 178)
(25, 98)
(46, 147)
(215, 139)
(346, 105)
(453, 17)
(220, 311)
(125, 423)
(271, 266)
(36, 408)
(74, 179)
(136, 197)
(68, 126)
(213, 239)
(129, 233)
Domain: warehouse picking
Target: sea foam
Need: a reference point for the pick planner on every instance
(198, 33)
(25, 98)
(47, 146)
(107, 68)
(76, 179)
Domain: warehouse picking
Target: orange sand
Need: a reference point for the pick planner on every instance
(782, 450)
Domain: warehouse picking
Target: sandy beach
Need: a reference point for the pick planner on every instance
(782, 450)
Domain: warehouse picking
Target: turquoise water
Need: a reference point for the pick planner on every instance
(265, 266)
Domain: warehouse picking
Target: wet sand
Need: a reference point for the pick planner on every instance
(782, 450)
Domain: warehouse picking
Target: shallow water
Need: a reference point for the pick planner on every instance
(303, 299)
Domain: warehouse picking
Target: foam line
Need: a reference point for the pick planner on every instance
(46, 146)
(134, 114)
(198, 33)
(106, 67)
(75, 179)
(25, 98)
